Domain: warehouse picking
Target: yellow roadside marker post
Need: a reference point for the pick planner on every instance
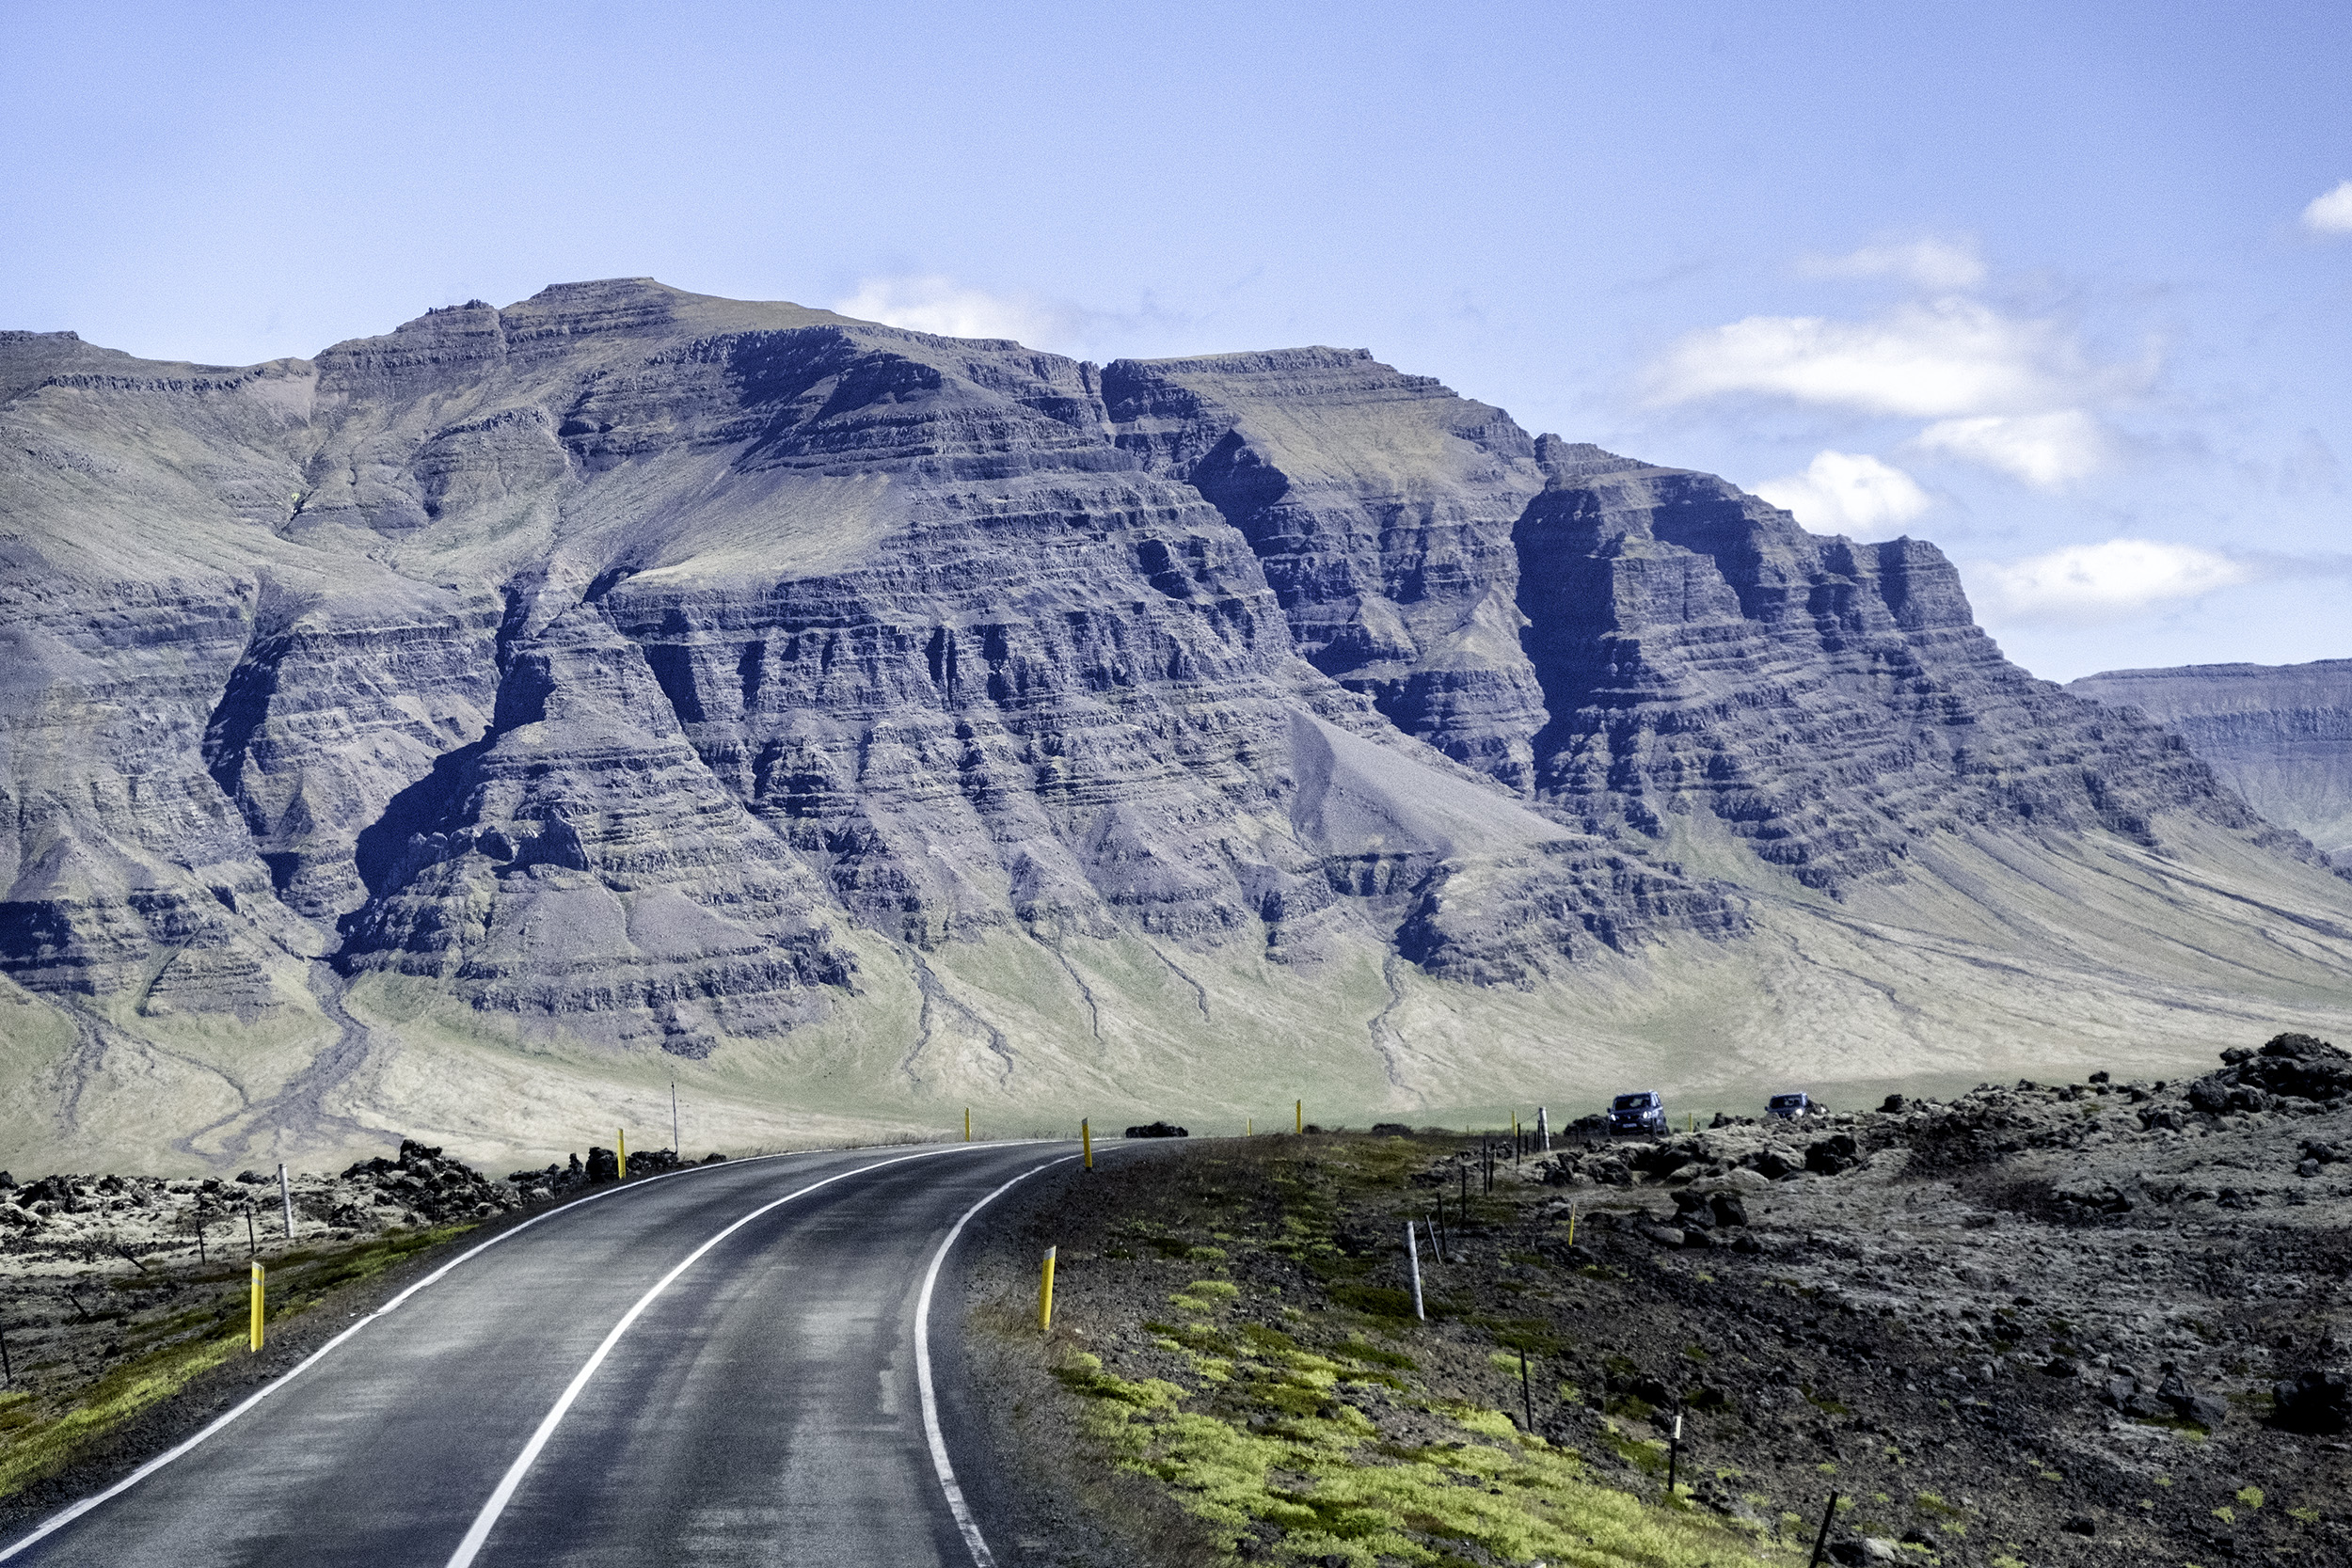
(967, 1124)
(1571, 1225)
(253, 1334)
(1085, 1140)
(1249, 1127)
(620, 1135)
(1298, 1116)
(1046, 1294)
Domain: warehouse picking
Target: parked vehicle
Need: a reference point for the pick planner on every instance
(1644, 1111)
(1789, 1106)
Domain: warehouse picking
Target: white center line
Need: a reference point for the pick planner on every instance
(59, 1520)
(472, 1545)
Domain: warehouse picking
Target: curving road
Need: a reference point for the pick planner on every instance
(718, 1367)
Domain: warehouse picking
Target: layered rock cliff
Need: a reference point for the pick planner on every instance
(629, 671)
(2281, 736)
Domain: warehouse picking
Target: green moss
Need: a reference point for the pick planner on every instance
(2250, 1496)
(1086, 1373)
(1205, 1295)
(37, 1447)
(1378, 1301)
(1266, 1340)
(1648, 1457)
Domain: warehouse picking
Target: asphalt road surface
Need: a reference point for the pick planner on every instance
(719, 1367)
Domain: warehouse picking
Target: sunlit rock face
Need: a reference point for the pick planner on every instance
(1380, 507)
(2281, 736)
(1832, 702)
(626, 662)
(601, 657)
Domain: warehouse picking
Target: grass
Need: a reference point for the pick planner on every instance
(42, 1432)
(42, 1444)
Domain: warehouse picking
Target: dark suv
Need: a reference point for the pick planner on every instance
(1642, 1112)
(1789, 1105)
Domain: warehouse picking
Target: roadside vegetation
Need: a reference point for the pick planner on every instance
(141, 1337)
(1233, 1329)
(2043, 1326)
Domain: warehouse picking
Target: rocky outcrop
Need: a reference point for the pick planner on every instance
(2281, 736)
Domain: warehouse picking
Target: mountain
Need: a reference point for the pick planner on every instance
(2281, 736)
(469, 730)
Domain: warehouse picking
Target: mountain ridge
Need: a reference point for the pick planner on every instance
(629, 679)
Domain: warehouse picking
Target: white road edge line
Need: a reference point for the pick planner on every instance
(59, 1520)
(981, 1558)
(480, 1531)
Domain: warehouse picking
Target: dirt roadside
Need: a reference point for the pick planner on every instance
(2039, 1324)
(125, 1300)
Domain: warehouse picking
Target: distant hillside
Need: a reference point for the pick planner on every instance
(2279, 734)
(466, 730)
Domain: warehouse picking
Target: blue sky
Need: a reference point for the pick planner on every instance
(2066, 289)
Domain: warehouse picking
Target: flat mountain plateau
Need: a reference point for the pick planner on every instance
(2281, 736)
(470, 731)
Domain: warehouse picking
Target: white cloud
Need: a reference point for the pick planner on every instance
(933, 302)
(1943, 360)
(2090, 583)
(2043, 449)
(1931, 263)
(2330, 213)
(1849, 493)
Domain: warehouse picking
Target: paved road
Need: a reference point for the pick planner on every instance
(763, 1407)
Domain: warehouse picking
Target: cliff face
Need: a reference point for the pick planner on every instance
(629, 671)
(1380, 508)
(1832, 703)
(2281, 736)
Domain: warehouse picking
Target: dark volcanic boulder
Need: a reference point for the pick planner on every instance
(1169, 1129)
(2313, 1400)
(1833, 1155)
(2289, 1066)
(2299, 1064)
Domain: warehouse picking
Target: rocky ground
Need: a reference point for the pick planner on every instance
(2091, 1323)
